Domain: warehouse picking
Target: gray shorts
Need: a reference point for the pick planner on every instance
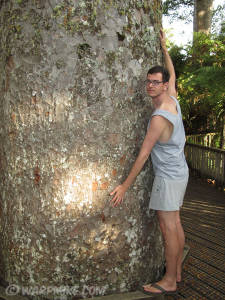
(167, 194)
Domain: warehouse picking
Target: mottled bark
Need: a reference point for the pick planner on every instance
(73, 114)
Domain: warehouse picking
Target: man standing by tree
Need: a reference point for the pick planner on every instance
(165, 141)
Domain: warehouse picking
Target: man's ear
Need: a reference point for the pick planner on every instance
(166, 85)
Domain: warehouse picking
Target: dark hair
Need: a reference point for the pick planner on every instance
(162, 70)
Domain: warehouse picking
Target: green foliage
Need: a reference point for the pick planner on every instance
(179, 59)
(185, 8)
(171, 5)
(218, 19)
(201, 73)
(209, 139)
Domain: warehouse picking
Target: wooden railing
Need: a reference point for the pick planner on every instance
(207, 162)
(206, 139)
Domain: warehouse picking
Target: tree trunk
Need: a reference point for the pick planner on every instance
(202, 16)
(73, 114)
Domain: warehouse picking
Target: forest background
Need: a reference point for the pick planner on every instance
(200, 65)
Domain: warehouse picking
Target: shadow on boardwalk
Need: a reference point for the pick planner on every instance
(203, 218)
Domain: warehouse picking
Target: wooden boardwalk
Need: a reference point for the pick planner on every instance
(203, 218)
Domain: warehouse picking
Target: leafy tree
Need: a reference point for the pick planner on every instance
(201, 83)
(200, 67)
(188, 10)
(171, 7)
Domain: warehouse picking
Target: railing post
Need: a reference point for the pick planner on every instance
(207, 161)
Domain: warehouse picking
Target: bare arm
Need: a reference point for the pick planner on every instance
(169, 65)
(156, 128)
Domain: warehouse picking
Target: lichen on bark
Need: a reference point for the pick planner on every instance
(73, 115)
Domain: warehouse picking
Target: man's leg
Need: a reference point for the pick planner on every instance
(174, 239)
(181, 238)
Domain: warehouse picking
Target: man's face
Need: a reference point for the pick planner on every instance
(154, 85)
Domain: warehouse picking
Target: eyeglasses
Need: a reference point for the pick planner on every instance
(153, 82)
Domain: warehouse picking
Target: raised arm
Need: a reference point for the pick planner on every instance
(169, 65)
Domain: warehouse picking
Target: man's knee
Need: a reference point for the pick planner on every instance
(168, 229)
(171, 227)
(167, 218)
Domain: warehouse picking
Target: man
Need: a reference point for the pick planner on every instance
(165, 141)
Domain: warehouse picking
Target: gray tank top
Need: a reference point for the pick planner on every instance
(168, 158)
